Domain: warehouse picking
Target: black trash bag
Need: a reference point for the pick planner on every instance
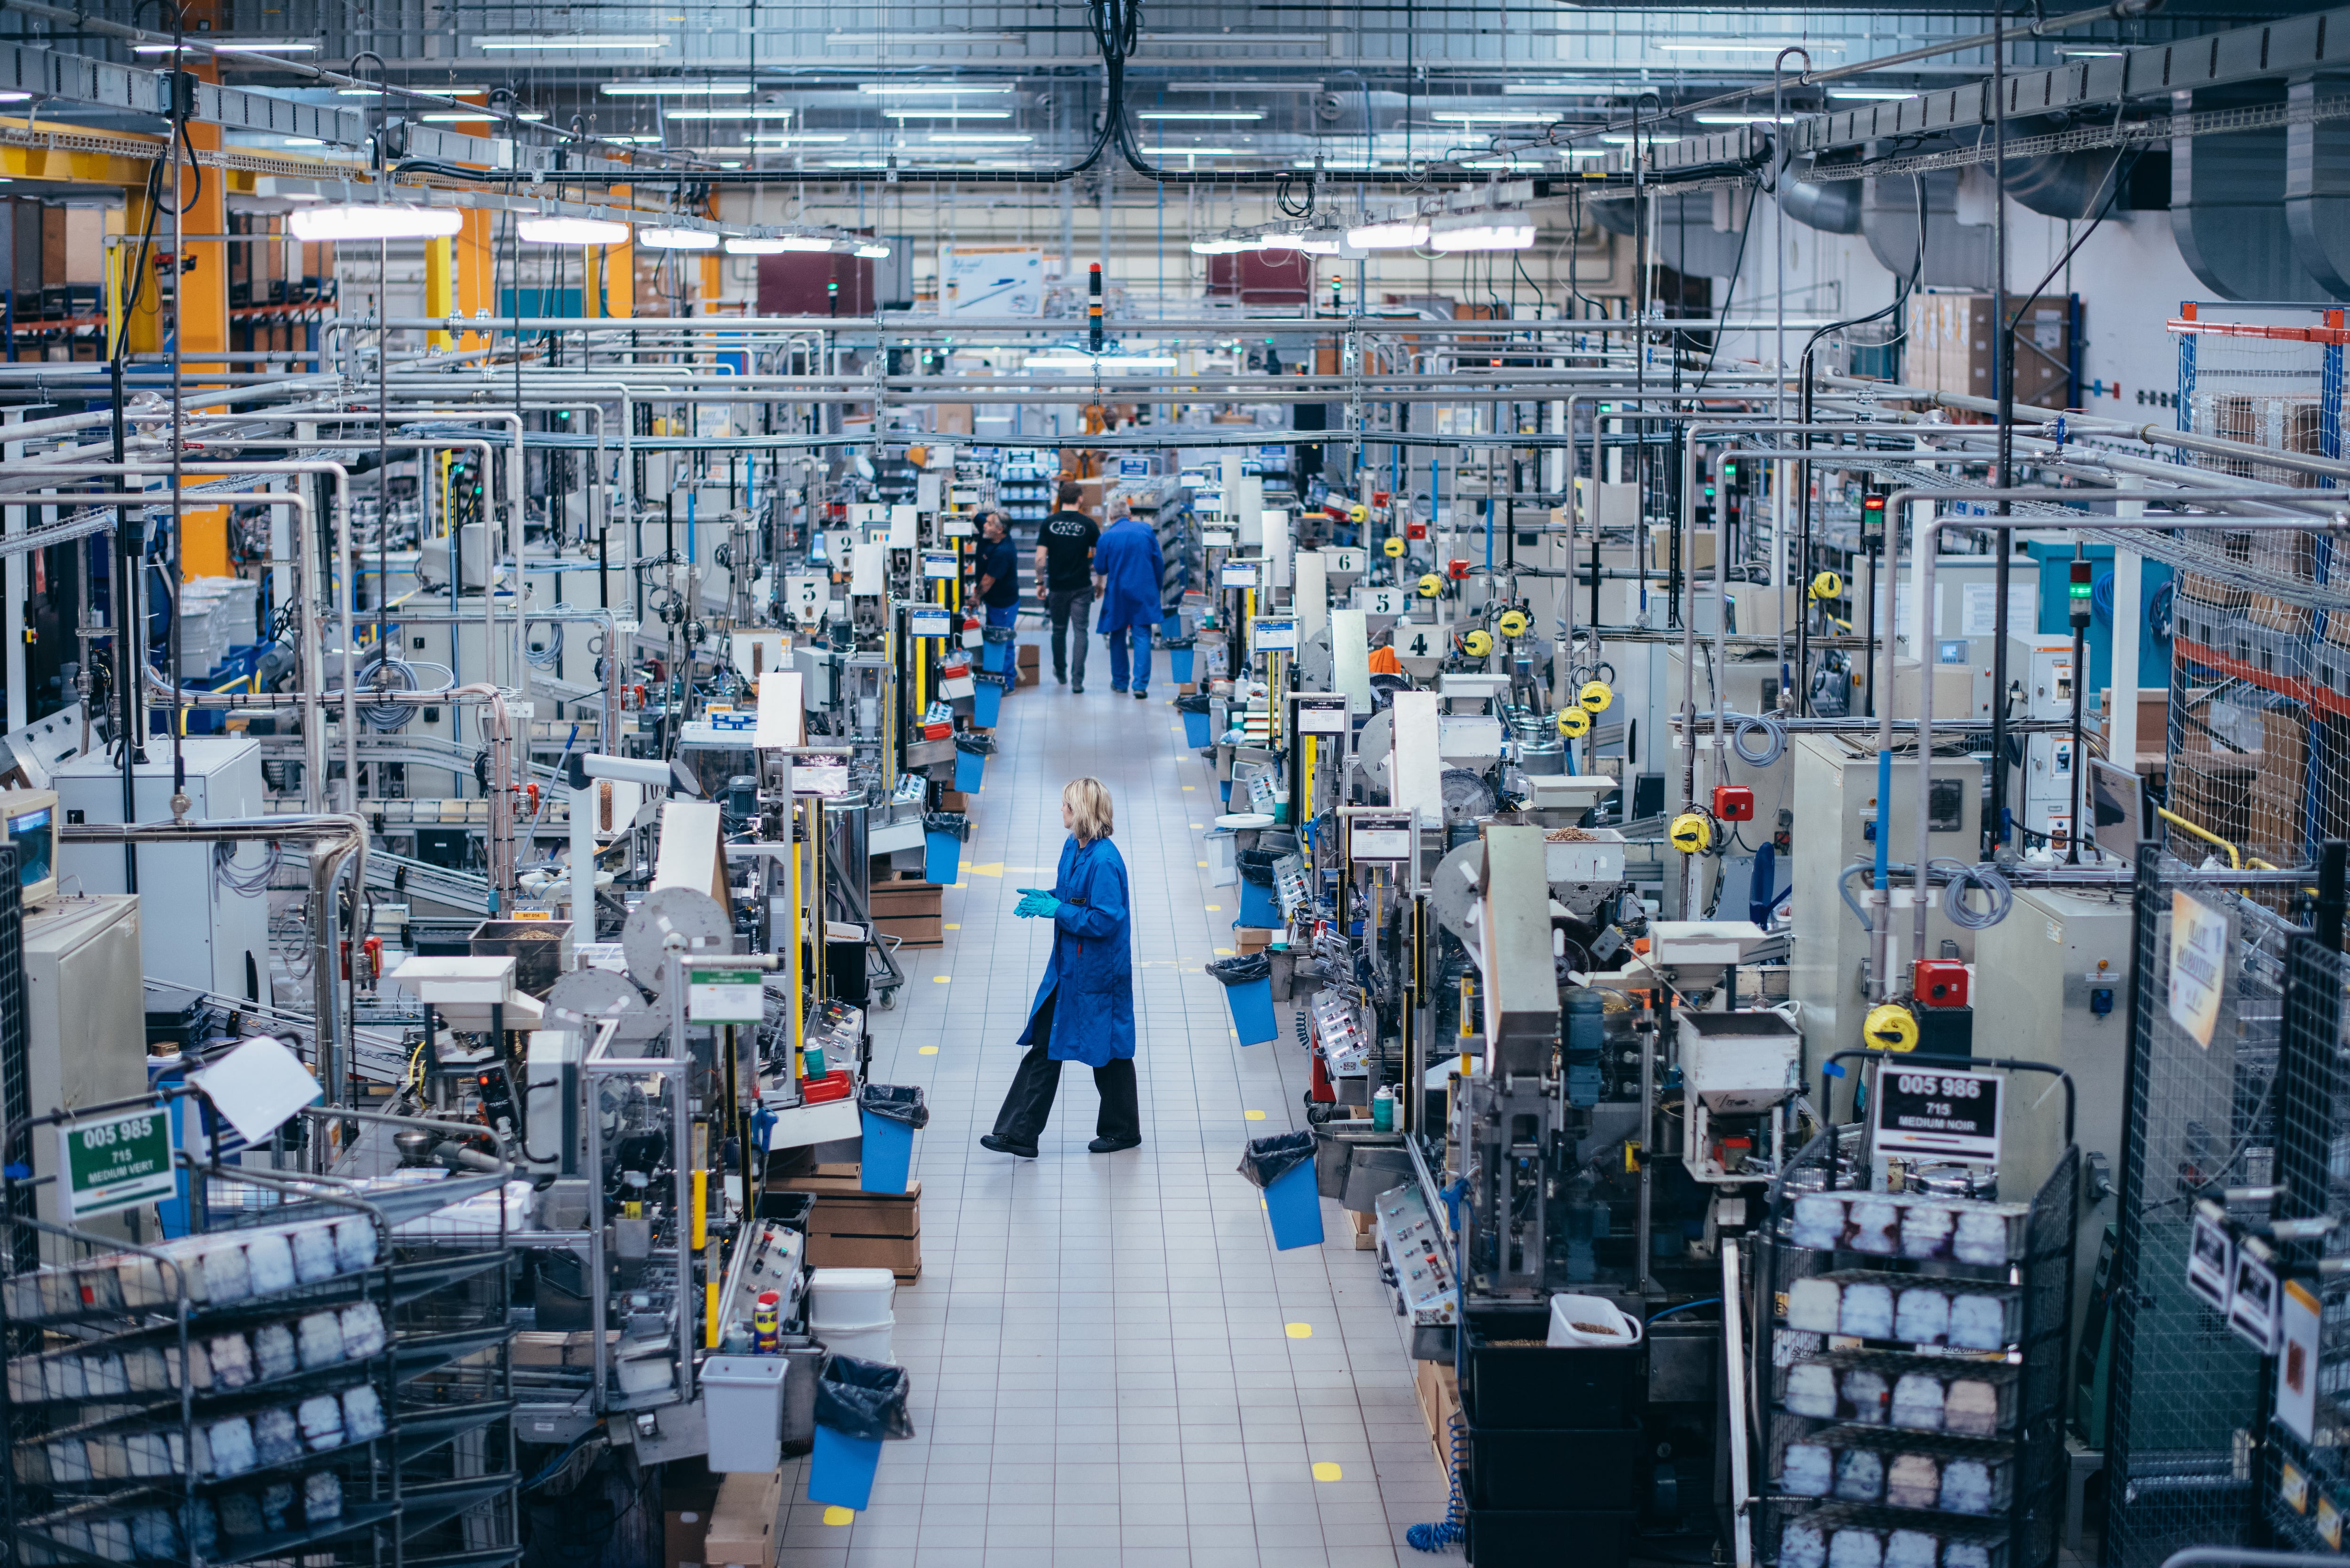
(1242, 969)
(1192, 640)
(999, 633)
(994, 677)
(863, 1398)
(896, 1103)
(977, 745)
(952, 821)
(1191, 702)
(1268, 1159)
(1257, 865)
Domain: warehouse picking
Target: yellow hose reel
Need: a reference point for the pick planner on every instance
(1827, 585)
(1596, 696)
(1692, 834)
(1513, 623)
(1479, 643)
(1394, 548)
(1431, 585)
(1890, 1027)
(1573, 722)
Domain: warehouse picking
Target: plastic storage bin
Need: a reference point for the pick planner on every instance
(942, 854)
(1294, 1207)
(1252, 1005)
(847, 1298)
(986, 703)
(866, 1342)
(1520, 1386)
(744, 1397)
(1179, 663)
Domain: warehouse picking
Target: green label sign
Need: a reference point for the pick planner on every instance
(716, 995)
(114, 1162)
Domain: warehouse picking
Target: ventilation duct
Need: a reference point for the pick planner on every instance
(2228, 204)
(2317, 190)
(1682, 235)
(1957, 256)
(2069, 185)
(1832, 206)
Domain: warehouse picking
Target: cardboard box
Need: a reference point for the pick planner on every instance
(1439, 1387)
(1251, 939)
(913, 930)
(843, 1208)
(742, 1530)
(953, 800)
(538, 1347)
(684, 1533)
(1028, 674)
(1697, 550)
(901, 1255)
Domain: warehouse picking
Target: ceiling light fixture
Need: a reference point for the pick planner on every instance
(1218, 246)
(567, 231)
(665, 89)
(950, 139)
(574, 41)
(872, 251)
(678, 239)
(474, 119)
(1393, 234)
(903, 114)
(753, 246)
(741, 111)
(920, 90)
(222, 46)
(374, 220)
(1493, 231)
(14, 96)
(1493, 117)
(1249, 114)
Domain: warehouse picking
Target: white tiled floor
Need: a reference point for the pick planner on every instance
(1111, 1364)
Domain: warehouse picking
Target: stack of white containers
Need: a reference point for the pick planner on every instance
(849, 1312)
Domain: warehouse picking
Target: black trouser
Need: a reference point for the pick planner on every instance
(1064, 605)
(1029, 1102)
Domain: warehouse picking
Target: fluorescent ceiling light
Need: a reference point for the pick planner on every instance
(1494, 116)
(808, 243)
(1243, 87)
(1103, 362)
(872, 251)
(743, 111)
(730, 166)
(354, 92)
(950, 139)
(454, 118)
(1218, 246)
(1731, 45)
(575, 41)
(921, 90)
(303, 141)
(553, 231)
(1739, 120)
(753, 246)
(946, 114)
(1396, 234)
(664, 89)
(1199, 152)
(226, 46)
(1496, 231)
(13, 97)
(374, 220)
(534, 114)
(1582, 152)
(678, 239)
(301, 196)
(1882, 94)
(1625, 140)
(2089, 54)
(1562, 90)
(1200, 114)
(854, 163)
(949, 37)
(797, 137)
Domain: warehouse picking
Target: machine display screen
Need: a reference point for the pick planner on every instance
(35, 836)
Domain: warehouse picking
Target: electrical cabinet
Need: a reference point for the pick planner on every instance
(2040, 672)
(2052, 984)
(218, 938)
(85, 1017)
(1836, 820)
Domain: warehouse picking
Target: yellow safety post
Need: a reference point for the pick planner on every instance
(441, 287)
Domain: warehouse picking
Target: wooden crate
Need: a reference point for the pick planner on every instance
(913, 930)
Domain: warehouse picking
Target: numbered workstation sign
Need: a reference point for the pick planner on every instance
(114, 1162)
(1955, 1115)
(721, 993)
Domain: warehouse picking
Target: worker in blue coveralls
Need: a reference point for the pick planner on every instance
(1127, 573)
(1083, 1010)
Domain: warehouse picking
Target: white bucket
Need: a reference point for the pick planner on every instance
(866, 1342)
(850, 1298)
(1567, 1311)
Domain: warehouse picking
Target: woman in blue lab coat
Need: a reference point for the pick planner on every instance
(1083, 1010)
(1127, 572)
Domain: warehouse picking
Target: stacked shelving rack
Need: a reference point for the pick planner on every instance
(321, 1372)
(1914, 1372)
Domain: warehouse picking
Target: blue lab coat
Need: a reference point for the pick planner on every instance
(1127, 561)
(1092, 967)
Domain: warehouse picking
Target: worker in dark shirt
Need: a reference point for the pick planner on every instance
(1065, 557)
(999, 571)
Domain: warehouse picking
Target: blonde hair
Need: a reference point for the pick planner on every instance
(1089, 809)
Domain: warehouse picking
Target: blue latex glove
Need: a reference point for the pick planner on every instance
(1035, 902)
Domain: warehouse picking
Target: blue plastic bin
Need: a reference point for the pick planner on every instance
(1258, 905)
(1252, 1005)
(970, 769)
(1178, 661)
(1294, 1204)
(889, 1154)
(1171, 626)
(1224, 788)
(986, 702)
(1195, 727)
(841, 1472)
(942, 858)
(995, 656)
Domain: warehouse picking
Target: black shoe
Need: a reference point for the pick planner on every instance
(1002, 1145)
(1115, 686)
(1108, 1144)
(1141, 695)
(1059, 678)
(1078, 689)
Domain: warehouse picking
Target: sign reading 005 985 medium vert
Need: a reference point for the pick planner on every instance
(1955, 1115)
(112, 1162)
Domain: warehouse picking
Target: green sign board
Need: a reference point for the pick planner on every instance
(723, 995)
(113, 1162)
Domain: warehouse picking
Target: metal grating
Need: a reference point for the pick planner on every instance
(2186, 1400)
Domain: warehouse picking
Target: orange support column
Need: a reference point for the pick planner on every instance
(200, 323)
(476, 273)
(620, 279)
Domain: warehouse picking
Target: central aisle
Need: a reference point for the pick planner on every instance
(1111, 1366)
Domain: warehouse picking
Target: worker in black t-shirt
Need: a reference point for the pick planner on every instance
(999, 571)
(1064, 555)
